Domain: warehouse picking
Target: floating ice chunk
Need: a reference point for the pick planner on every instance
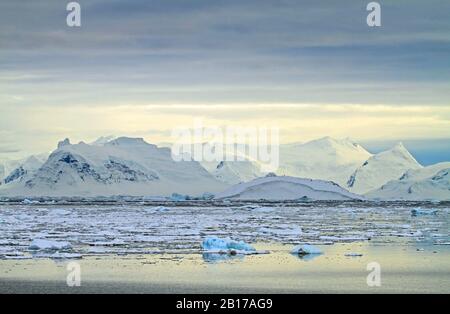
(283, 231)
(226, 245)
(305, 249)
(47, 245)
(59, 212)
(179, 197)
(157, 209)
(115, 242)
(264, 209)
(154, 198)
(17, 257)
(59, 255)
(29, 202)
(207, 196)
(353, 254)
(420, 211)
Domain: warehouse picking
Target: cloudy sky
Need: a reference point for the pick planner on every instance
(142, 67)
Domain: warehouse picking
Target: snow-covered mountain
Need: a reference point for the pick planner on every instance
(428, 183)
(234, 172)
(123, 166)
(103, 140)
(239, 168)
(287, 188)
(382, 168)
(7, 166)
(2, 169)
(14, 170)
(325, 159)
(130, 166)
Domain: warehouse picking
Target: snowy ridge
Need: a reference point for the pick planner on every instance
(112, 166)
(429, 183)
(325, 159)
(123, 166)
(382, 168)
(287, 188)
(233, 172)
(14, 171)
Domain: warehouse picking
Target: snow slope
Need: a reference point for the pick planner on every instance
(234, 172)
(123, 166)
(382, 168)
(15, 170)
(428, 183)
(326, 159)
(287, 188)
(2, 169)
(7, 166)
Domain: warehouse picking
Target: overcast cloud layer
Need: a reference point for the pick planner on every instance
(137, 53)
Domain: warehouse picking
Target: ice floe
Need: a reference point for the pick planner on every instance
(157, 209)
(134, 228)
(29, 202)
(48, 245)
(215, 244)
(353, 254)
(228, 246)
(306, 249)
(420, 211)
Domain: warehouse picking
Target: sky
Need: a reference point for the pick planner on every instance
(143, 67)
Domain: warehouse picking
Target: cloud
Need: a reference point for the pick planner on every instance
(225, 51)
(315, 65)
(8, 150)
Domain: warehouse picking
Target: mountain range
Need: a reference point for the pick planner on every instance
(130, 166)
(122, 166)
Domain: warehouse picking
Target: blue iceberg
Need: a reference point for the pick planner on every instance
(226, 244)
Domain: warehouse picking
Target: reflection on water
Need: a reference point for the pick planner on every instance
(306, 257)
(216, 257)
(403, 269)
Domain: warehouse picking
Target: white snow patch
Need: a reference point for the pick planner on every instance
(48, 245)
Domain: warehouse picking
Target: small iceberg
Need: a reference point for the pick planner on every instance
(420, 211)
(353, 254)
(227, 246)
(59, 212)
(264, 209)
(47, 245)
(29, 202)
(65, 256)
(179, 197)
(157, 209)
(306, 249)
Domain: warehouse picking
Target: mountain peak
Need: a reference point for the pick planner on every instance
(399, 146)
(63, 143)
(123, 140)
(401, 150)
(382, 168)
(102, 140)
(328, 140)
